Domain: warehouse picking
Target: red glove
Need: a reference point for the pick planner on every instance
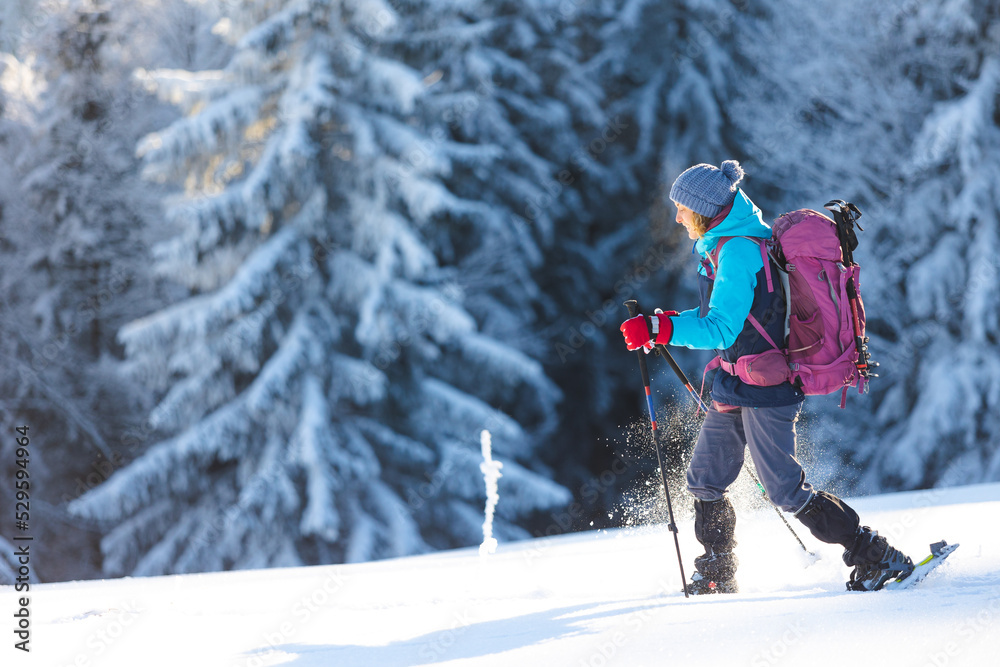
(638, 330)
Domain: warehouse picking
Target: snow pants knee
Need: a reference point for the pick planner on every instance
(769, 434)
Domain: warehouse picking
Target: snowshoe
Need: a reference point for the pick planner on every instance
(701, 585)
(874, 562)
(715, 573)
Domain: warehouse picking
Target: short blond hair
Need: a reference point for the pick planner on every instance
(701, 223)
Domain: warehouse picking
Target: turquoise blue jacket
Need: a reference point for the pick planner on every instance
(732, 295)
(720, 322)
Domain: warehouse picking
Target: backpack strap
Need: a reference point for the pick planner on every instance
(711, 269)
(767, 266)
(716, 362)
(713, 256)
(765, 258)
(760, 329)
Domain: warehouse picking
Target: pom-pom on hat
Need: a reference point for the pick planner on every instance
(706, 189)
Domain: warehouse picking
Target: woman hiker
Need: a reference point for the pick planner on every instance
(711, 206)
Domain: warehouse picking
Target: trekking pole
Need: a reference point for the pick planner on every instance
(781, 516)
(633, 310)
(665, 353)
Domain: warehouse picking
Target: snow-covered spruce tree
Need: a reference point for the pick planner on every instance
(897, 114)
(666, 74)
(73, 257)
(830, 126)
(937, 421)
(822, 126)
(324, 385)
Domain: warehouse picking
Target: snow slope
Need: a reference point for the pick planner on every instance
(593, 599)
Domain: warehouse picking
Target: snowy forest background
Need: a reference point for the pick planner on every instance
(269, 266)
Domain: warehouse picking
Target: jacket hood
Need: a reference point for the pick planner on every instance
(744, 219)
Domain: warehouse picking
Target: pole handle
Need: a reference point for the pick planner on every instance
(633, 310)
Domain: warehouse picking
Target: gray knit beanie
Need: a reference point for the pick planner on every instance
(706, 189)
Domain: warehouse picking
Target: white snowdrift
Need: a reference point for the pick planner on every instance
(593, 599)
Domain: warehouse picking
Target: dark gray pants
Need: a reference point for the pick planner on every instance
(769, 433)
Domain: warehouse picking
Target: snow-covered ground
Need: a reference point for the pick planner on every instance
(593, 599)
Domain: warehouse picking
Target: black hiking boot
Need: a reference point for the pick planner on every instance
(714, 526)
(715, 573)
(874, 562)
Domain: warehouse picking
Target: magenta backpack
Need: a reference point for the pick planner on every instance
(826, 348)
